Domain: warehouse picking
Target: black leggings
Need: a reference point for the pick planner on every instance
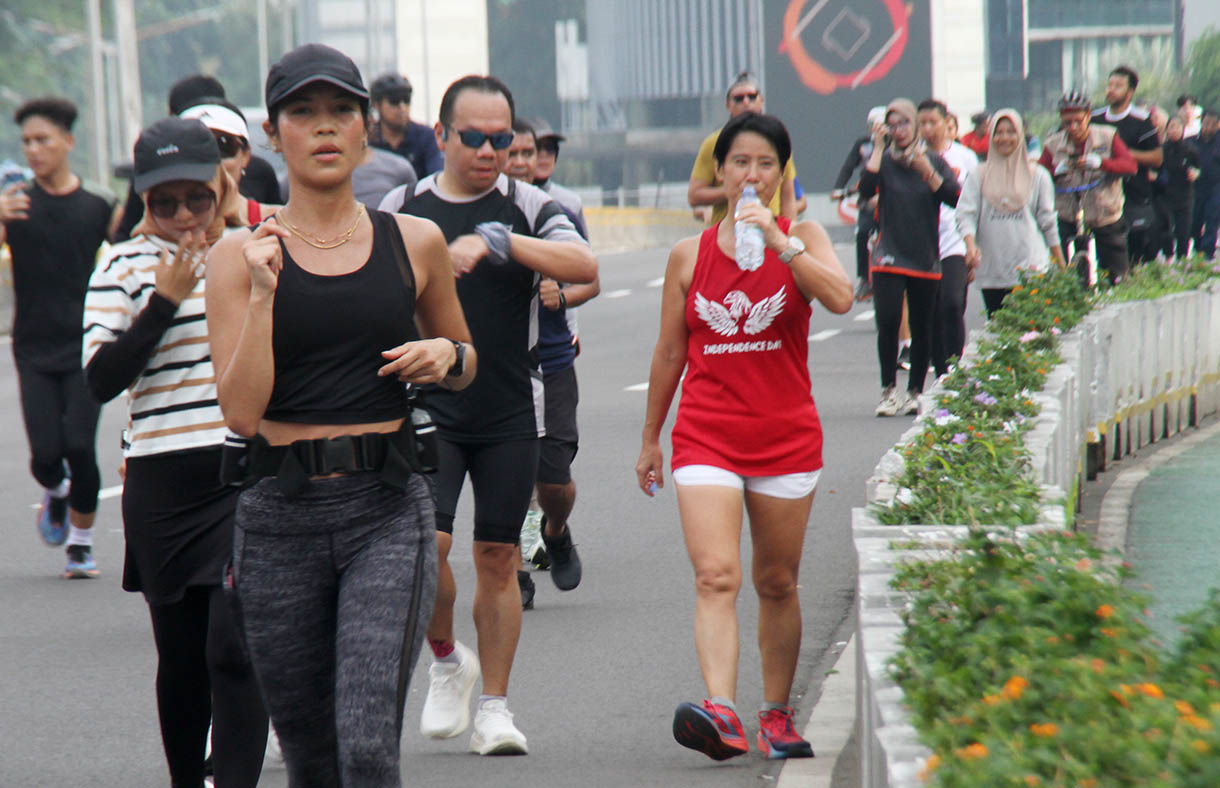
(203, 676)
(1177, 233)
(503, 477)
(865, 227)
(993, 299)
(888, 290)
(949, 328)
(61, 422)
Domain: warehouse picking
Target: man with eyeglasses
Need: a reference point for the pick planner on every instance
(503, 236)
(54, 225)
(394, 130)
(706, 190)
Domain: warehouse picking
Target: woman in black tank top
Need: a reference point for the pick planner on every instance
(317, 319)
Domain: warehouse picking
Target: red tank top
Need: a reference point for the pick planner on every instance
(746, 402)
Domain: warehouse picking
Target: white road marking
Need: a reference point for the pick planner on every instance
(864, 316)
(660, 280)
(115, 491)
(637, 387)
(617, 294)
(827, 334)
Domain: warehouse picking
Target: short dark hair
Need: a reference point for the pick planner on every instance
(483, 84)
(58, 110)
(936, 104)
(1133, 79)
(524, 127)
(767, 126)
(742, 78)
(189, 91)
(1185, 99)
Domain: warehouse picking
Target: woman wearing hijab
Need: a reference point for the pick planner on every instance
(145, 334)
(1007, 213)
(911, 183)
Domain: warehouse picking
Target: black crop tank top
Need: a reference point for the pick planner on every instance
(328, 333)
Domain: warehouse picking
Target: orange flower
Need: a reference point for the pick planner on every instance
(1105, 611)
(1183, 707)
(1127, 689)
(1212, 683)
(1033, 780)
(925, 773)
(1151, 690)
(1109, 632)
(1044, 730)
(1056, 320)
(1053, 640)
(1118, 696)
(1088, 782)
(1197, 722)
(1097, 665)
(1014, 687)
(1203, 668)
(1084, 564)
(972, 752)
(1200, 746)
(991, 700)
(1034, 292)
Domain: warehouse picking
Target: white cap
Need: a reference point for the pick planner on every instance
(218, 118)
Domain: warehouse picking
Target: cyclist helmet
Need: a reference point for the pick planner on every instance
(1075, 99)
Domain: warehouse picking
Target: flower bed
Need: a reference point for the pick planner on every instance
(1024, 663)
(998, 448)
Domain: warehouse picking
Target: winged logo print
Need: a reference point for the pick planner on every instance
(723, 317)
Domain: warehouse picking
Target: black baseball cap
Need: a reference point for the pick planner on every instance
(311, 63)
(175, 149)
(390, 85)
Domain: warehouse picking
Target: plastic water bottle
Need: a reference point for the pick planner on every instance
(750, 245)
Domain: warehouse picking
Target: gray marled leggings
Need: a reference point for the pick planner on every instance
(335, 589)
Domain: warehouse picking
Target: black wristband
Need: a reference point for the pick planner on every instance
(563, 300)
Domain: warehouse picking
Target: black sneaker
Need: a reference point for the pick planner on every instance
(904, 357)
(565, 563)
(526, 584)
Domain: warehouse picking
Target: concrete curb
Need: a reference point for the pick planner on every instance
(1115, 517)
(829, 727)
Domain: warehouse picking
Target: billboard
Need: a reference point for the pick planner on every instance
(829, 61)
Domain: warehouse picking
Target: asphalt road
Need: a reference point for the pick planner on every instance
(599, 669)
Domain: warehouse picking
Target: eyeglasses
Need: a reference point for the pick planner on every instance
(165, 206)
(230, 144)
(475, 139)
(404, 100)
(740, 97)
(901, 123)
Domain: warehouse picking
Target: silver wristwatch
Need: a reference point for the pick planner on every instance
(795, 246)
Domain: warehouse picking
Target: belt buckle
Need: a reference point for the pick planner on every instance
(339, 454)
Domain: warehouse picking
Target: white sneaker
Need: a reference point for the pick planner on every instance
(910, 404)
(447, 707)
(533, 551)
(494, 732)
(891, 401)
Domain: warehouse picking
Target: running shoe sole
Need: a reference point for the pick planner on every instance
(798, 750)
(80, 572)
(506, 746)
(694, 728)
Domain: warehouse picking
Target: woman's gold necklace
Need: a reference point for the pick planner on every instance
(319, 243)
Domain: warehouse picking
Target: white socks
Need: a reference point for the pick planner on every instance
(80, 536)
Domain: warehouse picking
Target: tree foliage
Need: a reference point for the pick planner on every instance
(1204, 65)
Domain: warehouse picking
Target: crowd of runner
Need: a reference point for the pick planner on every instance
(314, 365)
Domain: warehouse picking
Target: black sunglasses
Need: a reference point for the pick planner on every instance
(475, 139)
(740, 97)
(230, 144)
(396, 99)
(165, 206)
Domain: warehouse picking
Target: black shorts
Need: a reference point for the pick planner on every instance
(562, 439)
(502, 475)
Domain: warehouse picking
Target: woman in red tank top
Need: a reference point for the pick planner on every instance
(747, 436)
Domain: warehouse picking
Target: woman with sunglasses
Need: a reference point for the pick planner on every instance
(145, 334)
(316, 319)
(228, 125)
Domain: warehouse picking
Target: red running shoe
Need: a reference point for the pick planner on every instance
(710, 728)
(777, 738)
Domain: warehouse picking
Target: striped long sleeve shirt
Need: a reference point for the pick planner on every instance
(139, 341)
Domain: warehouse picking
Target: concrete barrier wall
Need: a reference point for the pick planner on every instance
(627, 229)
(1131, 374)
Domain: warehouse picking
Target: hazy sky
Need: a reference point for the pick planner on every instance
(1199, 15)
